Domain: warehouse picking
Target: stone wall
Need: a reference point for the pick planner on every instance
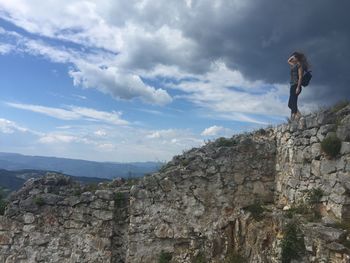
(191, 207)
(200, 207)
(53, 219)
(303, 166)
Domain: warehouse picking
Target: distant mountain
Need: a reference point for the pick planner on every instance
(13, 161)
(14, 180)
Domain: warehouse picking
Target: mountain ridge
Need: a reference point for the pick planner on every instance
(77, 167)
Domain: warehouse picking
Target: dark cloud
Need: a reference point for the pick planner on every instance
(257, 39)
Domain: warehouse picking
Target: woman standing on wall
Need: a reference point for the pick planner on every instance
(298, 64)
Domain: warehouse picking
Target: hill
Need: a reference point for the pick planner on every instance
(13, 161)
(14, 180)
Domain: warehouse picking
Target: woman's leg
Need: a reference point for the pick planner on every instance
(293, 100)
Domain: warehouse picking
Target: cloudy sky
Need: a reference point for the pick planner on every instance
(125, 80)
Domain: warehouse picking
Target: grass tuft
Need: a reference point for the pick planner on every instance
(331, 145)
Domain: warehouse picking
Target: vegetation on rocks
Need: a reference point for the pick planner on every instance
(314, 196)
(225, 142)
(292, 244)
(308, 208)
(340, 105)
(200, 258)
(331, 145)
(235, 257)
(119, 198)
(39, 201)
(256, 210)
(164, 257)
(3, 202)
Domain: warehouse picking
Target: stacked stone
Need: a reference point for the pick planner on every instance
(302, 165)
(190, 206)
(196, 207)
(53, 219)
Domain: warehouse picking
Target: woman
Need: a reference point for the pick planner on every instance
(298, 64)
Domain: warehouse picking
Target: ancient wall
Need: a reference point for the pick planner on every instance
(230, 197)
(56, 220)
(302, 165)
(192, 205)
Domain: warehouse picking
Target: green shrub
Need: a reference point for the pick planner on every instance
(314, 196)
(307, 209)
(340, 105)
(3, 202)
(293, 246)
(301, 209)
(3, 205)
(235, 257)
(92, 187)
(119, 198)
(164, 257)
(256, 210)
(77, 192)
(39, 201)
(331, 145)
(261, 131)
(344, 224)
(200, 258)
(225, 142)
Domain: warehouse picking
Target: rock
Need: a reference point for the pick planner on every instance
(311, 122)
(104, 215)
(286, 208)
(334, 246)
(104, 194)
(345, 148)
(28, 218)
(163, 231)
(328, 166)
(5, 239)
(51, 199)
(230, 193)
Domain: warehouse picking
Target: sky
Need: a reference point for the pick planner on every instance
(124, 80)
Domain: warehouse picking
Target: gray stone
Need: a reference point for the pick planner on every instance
(315, 150)
(104, 194)
(28, 218)
(104, 215)
(345, 148)
(328, 166)
(311, 122)
(51, 199)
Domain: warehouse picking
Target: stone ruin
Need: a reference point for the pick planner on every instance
(230, 197)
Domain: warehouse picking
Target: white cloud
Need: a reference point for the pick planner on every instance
(7, 126)
(144, 43)
(118, 84)
(6, 48)
(100, 133)
(224, 93)
(212, 131)
(58, 138)
(73, 113)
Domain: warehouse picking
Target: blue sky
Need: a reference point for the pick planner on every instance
(121, 81)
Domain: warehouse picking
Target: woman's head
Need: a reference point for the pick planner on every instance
(301, 58)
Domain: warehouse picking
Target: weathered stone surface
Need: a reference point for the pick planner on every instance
(198, 204)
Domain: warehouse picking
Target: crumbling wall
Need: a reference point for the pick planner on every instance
(53, 219)
(230, 197)
(188, 209)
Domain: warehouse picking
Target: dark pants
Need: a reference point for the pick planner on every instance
(293, 98)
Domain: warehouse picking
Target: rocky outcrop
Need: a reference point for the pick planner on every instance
(192, 206)
(250, 197)
(53, 219)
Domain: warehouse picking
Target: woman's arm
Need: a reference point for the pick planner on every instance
(290, 61)
(300, 78)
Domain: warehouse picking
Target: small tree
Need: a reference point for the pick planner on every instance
(3, 202)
